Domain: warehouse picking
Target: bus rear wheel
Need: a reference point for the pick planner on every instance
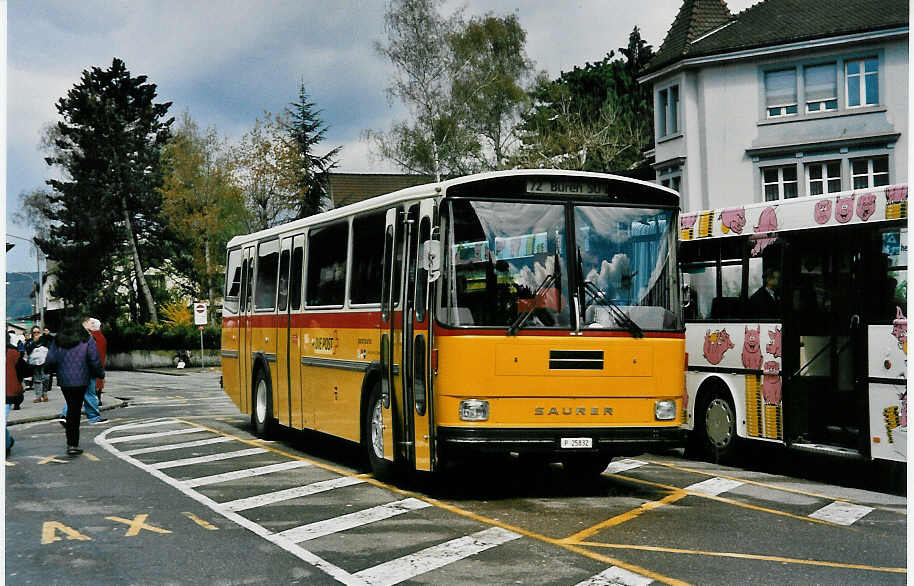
(262, 413)
(373, 438)
(717, 420)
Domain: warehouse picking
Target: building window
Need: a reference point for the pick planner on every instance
(870, 172)
(781, 92)
(779, 182)
(862, 82)
(668, 111)
(670, 177)
(823, 177)
(821, 87)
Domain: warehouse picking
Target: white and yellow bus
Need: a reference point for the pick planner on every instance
(531, 311)
(796, 324)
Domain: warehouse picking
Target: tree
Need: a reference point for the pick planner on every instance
(310, 171)
(461, 84)
(106, 207)
(202, 203)
(594, 118)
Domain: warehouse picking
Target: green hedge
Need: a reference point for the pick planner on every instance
(125, 338)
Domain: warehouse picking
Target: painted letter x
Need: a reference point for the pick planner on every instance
(138, 524)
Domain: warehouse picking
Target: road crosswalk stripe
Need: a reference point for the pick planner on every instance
(247, 472)
(616, 575)
(623, 465)
(143, 436)
(204, 459)
(434, 557)
(352, 520)
(147, 424)
(714, 486)
(167, 447)
(841, 513)
(290, 493)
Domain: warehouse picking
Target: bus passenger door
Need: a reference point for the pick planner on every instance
(244, 346)
(298, 419)
(390, 295)
(417, 340)
(283, 407)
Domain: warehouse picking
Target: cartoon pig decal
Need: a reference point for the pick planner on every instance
(767, 221)
(686, 222)
(774, 346)
(896, 194)
(752, 348)
(716, 345)
(866, 206)
(771, 383)
(822, 211)
(900, 329)
(844, 209)
(733, 219)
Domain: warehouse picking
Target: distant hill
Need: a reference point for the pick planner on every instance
(19, 287)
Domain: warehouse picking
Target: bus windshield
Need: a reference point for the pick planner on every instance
(507, 265)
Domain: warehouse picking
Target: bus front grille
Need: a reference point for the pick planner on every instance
(575, 360)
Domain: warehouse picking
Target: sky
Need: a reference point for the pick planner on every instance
(226, 62)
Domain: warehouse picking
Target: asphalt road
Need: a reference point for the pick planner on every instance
(175, 489)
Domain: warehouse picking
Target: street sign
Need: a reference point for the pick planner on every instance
(200, 317)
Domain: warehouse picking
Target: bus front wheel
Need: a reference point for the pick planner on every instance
(374, 436)
(717, 421)
(262, 414)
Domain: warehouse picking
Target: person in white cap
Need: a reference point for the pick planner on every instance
(95, 328)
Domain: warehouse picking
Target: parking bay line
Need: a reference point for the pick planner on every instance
(205, 459)
(245, 473)
(167, 447)
(747, 556)
(261, 500)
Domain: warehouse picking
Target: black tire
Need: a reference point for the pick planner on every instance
(262, 406)
(715, 424)
(373, 438)
(585, 467)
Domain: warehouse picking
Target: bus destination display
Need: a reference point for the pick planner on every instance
(564, 187)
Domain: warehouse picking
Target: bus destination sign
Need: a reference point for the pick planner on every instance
(566, 187)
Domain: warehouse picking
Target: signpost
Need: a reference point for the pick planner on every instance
(200, 320)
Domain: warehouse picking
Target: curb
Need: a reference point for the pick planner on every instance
(54, 417)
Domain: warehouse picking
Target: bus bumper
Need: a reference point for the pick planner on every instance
(616, 441)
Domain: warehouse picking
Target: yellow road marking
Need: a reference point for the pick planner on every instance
(765, 485)
(200, 522)
(748, 556)
(138, 524)
(90, 456)
(50, 459)
(49, 533)
(627, 516)
(456, 510)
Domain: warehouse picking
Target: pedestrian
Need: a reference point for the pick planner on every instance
(46, 338)
(95, 328)
(36, 349)
(13, 387)
(74, 356)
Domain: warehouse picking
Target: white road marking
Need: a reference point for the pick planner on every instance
(714, 486)
(841, 513)
(301, 553)
(143, 436)
(290, 493)
(210, 458)
(167, 447)
(623, 465)
(435, 557)
(352, 520)
(247, 472)
(149, 424)
(616, 575)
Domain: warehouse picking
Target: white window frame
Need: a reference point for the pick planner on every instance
(870, 175)
(781, 183)
(824, 179)
(668, 120)
(861, 86)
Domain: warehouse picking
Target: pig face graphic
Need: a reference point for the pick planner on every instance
(771, 384)
(733, 219)
(686, 222)
(896, 194)
(767, 221)
(822, 211)
(716, 345)
(752, 349)
(844, 209)
(774, 346)
(900, 329)
(866, 205)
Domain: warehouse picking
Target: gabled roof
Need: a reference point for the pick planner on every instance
(771, 23)
(348, 188)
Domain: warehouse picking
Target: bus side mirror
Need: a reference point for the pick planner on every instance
(431, 259)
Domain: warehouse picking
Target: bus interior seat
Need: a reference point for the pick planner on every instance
(725, 307)
(464, 316)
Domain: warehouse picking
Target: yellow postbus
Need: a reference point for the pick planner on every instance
(533, 312)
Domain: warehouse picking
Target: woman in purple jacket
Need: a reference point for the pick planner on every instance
(74, 357)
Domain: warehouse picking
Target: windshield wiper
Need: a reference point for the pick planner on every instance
(548, 281)
(620, 316)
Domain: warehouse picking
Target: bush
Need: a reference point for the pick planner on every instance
(129, 337)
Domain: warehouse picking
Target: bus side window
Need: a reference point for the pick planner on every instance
(703, 290)
(327, 248)
(244, 286)
(422, 277)
(233, 270)
(267, 266)
(367, 252)
(283, 297)
(298, 256)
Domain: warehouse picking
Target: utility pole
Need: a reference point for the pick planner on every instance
(40, 284)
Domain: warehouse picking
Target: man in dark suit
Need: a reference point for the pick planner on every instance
(766, 302)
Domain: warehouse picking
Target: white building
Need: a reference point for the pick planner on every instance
(785, 99)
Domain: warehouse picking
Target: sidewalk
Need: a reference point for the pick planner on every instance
(29, 412)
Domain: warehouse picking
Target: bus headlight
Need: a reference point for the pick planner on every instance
(665, 410)
(474, 410)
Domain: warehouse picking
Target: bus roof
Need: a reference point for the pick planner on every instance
(430, 190)
(878, 204)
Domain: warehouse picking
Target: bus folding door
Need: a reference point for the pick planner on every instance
(390, 295)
